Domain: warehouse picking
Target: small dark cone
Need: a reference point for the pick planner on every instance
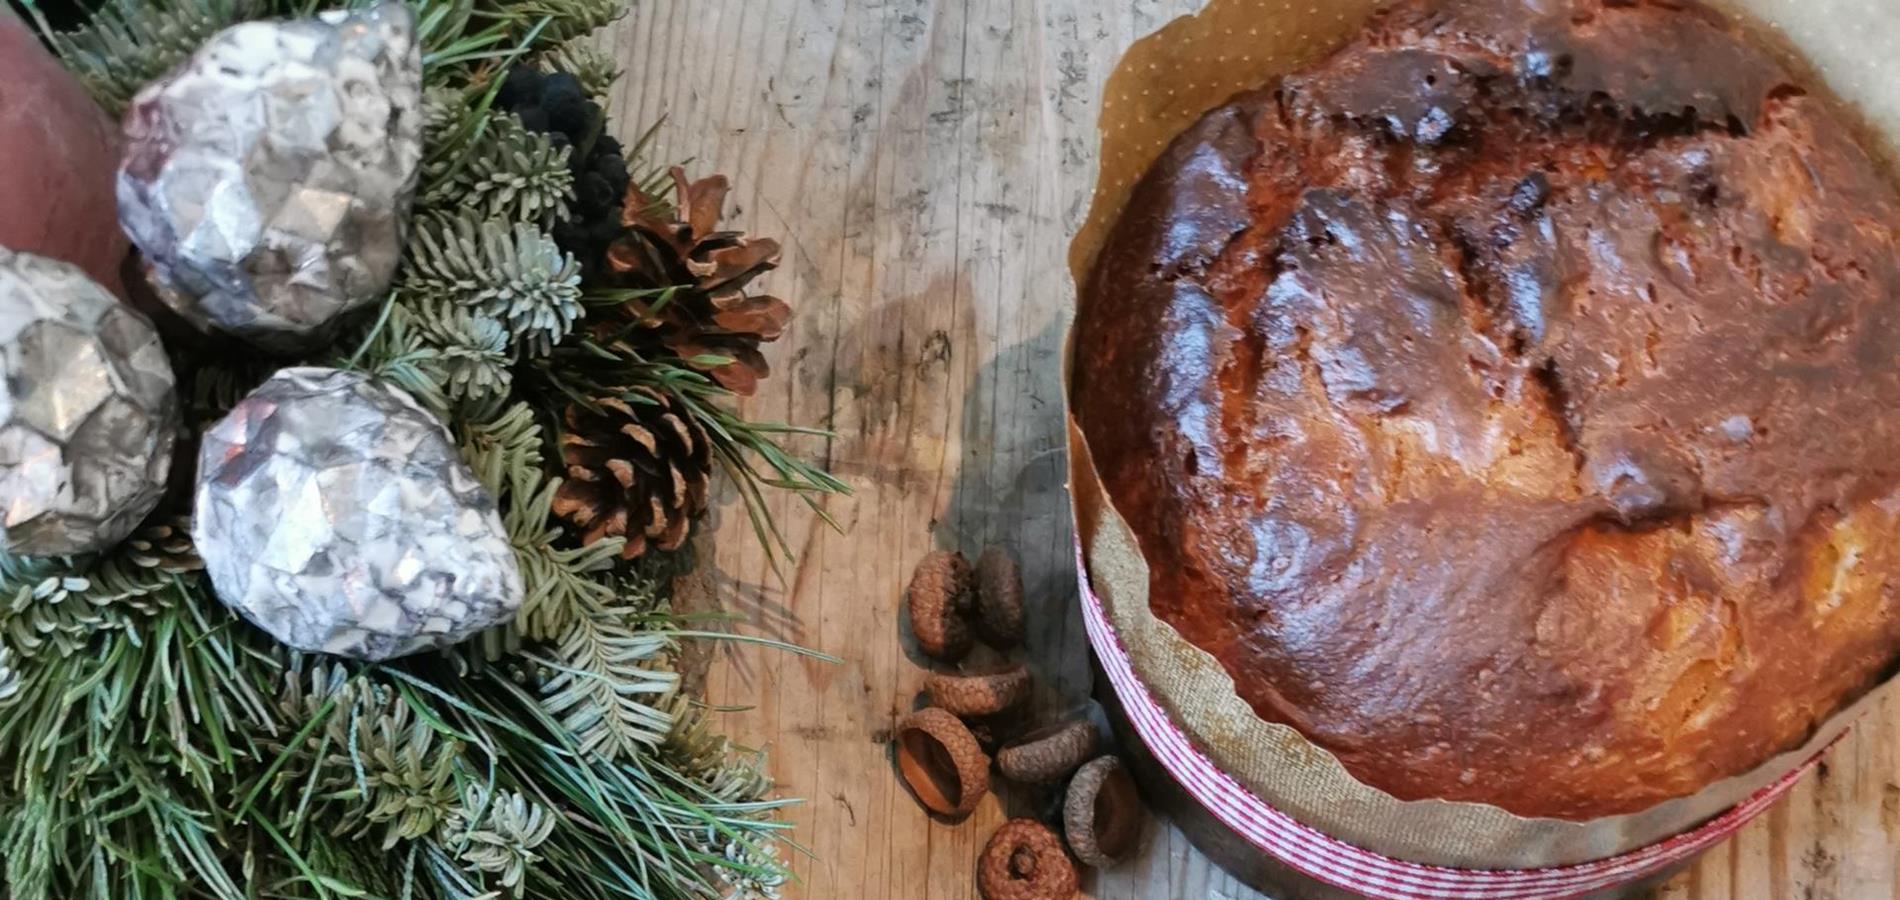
(165, 545)
(709, 313)
(555, 104)
(637, 465)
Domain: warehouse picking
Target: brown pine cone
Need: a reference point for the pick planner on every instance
(637, 466)
(709, 313)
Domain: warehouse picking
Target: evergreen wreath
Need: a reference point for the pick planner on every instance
(155, 745)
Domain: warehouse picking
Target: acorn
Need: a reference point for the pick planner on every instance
(941, 601)
(980, 693)
(1048, 754)
(942, 762)
(999, 597)
(1102, 813)
(1024, 860)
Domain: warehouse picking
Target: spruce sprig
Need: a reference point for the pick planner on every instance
(130, 42)
(506, 171)
(512, 273)
(596, 71)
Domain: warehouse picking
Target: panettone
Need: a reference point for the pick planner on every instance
(1511, 401)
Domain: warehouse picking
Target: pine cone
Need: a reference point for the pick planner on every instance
(637, 467)
(710, 313)
(164, 544)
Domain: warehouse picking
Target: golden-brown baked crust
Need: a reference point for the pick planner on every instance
(1509, 402)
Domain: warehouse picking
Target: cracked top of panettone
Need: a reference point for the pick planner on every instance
(1511, 402)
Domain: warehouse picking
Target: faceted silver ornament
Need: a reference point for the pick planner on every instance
(334, 513)
(88, 416)
(268, 178)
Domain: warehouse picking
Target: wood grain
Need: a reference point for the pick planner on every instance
(924, 162)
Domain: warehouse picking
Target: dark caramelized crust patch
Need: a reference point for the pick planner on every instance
(1509, 402)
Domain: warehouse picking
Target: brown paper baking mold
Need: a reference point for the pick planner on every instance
(1161, 86)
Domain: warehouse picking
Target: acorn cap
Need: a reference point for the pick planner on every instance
(1024, 860)
(941, 762)
(941, 600)
(1102, 814)
(1046, 755)
(999, 597)
(980, 693)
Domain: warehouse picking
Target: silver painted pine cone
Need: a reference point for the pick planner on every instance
(87, 414)
(267, 179)
(334, 513)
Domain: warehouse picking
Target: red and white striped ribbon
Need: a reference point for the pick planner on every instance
(1343, 865)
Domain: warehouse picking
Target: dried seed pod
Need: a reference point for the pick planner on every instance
(980, 693)
(1024, 860)
(940, 599)
(941, 762)
(999, 597)
(1046, 755)
(1102, 814)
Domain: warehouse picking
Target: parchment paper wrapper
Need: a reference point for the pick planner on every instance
(1161, 86)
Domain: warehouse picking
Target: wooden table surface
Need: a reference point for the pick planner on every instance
(924, 163)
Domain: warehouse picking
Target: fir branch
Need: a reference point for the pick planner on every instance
(163, 545)
(411, 778)
(371, 762)
(710, 760)
(568, 583)
(567, 19)
(449, 358)
(752, 868)
(505, 452)
(58, 604)
(596, 71)
(562, 582)
(497, 833)
(449, 134)
(127, 43)
(9, 678)
(516, 175)
(45, 610)
(122, 583)
(516, 275)
(645, 820)
(491, 164)
(471, 361)
(603, 670)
